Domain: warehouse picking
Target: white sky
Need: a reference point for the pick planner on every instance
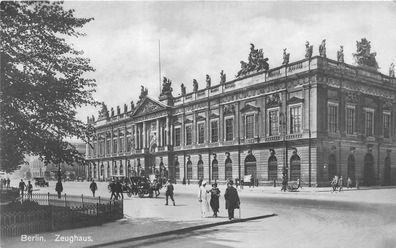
(199, 38)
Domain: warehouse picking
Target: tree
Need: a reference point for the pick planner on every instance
(47, 175)
(43, 82)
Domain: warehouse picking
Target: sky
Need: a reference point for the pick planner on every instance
(199, 38)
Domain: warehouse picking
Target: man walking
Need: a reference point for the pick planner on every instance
(340, 184)
(22, 187)
(169, 192)
(232, 199)
(8, 182)
(93, 187)
(203, 199)
(112, 187)
(59, 188)
(29, 188)
(118, 189)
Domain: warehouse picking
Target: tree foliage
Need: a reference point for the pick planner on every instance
(43, 82)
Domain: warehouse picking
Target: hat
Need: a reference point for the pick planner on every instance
(214, 184)
(203, 182)
(231, 182)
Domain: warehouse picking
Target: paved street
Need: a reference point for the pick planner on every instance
(313, 217)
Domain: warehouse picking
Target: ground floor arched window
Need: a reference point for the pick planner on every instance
(250, 165)
(108, 170)
(189, 170)
(369, 174)
(102, 170)
(387, 171)
(177, 170)
(295, 167)
(200, 169)
(215, 169)
(94, 171)
(332, 169)
(121, 169)
(272, 168)
(351, 168)
(228, 169)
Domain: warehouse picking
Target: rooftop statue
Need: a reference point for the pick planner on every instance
(132, 105)
(103, 113)
(392, 70)
(308, 50)
(322, 49)
(166, 87)
(340, 55)
(183, 89)
(195, 85)
(256, 62)
(111, 112)
(286, 57)
(222, 77)
(363, 55)
(143, 93)
(208, 81)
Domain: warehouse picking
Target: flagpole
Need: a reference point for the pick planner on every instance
(159, 64)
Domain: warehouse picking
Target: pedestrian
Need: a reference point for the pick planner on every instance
(284, 184)
(334, 183)
(214, 199)
(184, 181)
(242, 183)
(232, 199)
(8, 182)
(169, 192)
(200, 182)
(118, 189)
(22, 187)
(349, 183)
(29, 189)
(203, 199)
(357, 183)
(112, 187)
(59, 188)
(340, 184)
(298, 183)
(93, 187)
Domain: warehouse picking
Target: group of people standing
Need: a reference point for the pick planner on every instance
(231, 199)
(29, 188)
(338, 183)
(5, 183)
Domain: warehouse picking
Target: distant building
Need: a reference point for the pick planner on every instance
(311, 119)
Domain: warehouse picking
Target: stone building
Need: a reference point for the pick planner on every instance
(311, 119)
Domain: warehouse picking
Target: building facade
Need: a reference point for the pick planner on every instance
(313, 119)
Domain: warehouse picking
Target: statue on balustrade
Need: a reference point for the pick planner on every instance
(222, 77)
(392, 70)
(322, 49)
(183, 89)
(112, 112)
(256, 62)
(166, 87)
(103, 113)
(132, 106)
(308, 50)
(125, 108)
(286, 57)
(208, 81)
(195, 85)
(340, 55)
(363, 55)
(143, 93)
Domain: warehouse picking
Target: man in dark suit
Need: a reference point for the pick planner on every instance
(232, 199)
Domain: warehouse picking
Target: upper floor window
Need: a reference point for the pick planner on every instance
(369, 122)
(295, 119)
(108, 151)
(332, 117)
(229, 129)
(273, 122)
(177, 136)
(386, 121)
(350, 120)
(249, 130)
(122, 144)
(201, 132)
(214, 131)
(115, 145)
(188, 135)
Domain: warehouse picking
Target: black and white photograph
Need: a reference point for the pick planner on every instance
(203, 124)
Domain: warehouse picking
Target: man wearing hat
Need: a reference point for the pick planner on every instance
(169, 192)
(214, 199)
(113, 190)
(203, 199)
(232, 199)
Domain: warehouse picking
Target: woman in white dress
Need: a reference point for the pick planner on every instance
(203, 200)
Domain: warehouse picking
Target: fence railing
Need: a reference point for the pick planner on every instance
(46, 212)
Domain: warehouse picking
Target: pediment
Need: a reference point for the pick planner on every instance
(148, 106)
(295, 100)
(250, 108)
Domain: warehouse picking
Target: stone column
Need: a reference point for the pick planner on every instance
(144, 135)
(171, 134)
(111, 141)
(125, 139)
(194, 131)
(158, 133)
(167, 131)
(135, 137)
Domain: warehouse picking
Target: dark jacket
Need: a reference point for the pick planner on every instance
(22, 185)
(93, 186)
(118, 187)
(169, 189)
(232, 198)
(58, 187)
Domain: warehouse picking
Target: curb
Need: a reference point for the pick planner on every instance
(181, 231)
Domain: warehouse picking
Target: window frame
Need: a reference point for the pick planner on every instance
(269, 128)
(289, 128)
(337, 117)
(186, 136)
(253, 126)
(350, 107)
(366, 111)
(389, 115)
(179, 129)
(230, 118)
(198, 132)
(211, 130)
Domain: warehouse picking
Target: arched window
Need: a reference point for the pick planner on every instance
(228, 169)
(272, 168)
(295, 167)
(177, 169)
(129, 169)
(351, 167)
(94, 174)
(387, 171)
(332, 166)
(200, 169)
(189, 170)
(108, 170)
(115, 169)
(215, 169)
(369, 178)
(250, 165)
(121, 169)
(102, 170)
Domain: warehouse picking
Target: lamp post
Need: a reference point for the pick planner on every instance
(285, 168)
